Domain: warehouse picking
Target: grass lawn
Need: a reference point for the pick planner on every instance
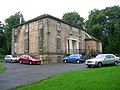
(105, 78)
(2, 69)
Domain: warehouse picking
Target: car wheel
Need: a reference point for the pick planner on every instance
(20, 62)
(11, 61)
(99, 64)
(65, 61)
(116, 63)
(30, 62)
(78, 61)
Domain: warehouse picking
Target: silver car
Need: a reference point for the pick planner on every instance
(11, 58)
(102, 59)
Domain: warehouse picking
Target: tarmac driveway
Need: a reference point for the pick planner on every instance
(18, 74)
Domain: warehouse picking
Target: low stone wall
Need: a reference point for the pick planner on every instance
(52, 59)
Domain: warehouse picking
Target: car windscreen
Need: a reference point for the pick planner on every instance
(100, 56)
(8, 56)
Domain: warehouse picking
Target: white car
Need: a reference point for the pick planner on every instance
(102, 59)
(11, 58)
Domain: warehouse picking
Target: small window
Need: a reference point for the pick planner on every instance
(40, 24)
(58, 26)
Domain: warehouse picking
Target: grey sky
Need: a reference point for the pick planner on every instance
(33, 8)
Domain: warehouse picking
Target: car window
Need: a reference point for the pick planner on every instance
(100, 56)
(71, 55)
(24, 56)
(107, 56)
(8, 56)
(111, 56)
(76, 55)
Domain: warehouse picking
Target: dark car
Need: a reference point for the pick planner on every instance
(29, 59)
(77, 58)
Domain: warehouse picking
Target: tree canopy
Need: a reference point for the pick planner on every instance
(74, 19)
(2, 39)
(105, 25)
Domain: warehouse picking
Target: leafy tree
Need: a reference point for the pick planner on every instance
(2, 39)
(74, 19)
(105, 25)
(13, 20)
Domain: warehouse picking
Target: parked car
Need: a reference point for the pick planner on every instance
(29, 59)
(77, 58)
(11, 58)
(103, 59)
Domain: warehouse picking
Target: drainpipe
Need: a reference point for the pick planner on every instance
(28, 39)
(48, 36)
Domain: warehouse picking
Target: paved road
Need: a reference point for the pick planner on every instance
(18, 74)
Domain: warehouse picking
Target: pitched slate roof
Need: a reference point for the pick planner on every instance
(47, 16)
(90, 37)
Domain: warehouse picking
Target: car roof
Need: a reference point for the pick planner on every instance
(105, 54)
(8, 55)
(76, 54)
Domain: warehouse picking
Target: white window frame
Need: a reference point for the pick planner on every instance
(40, 24)
(58, 26)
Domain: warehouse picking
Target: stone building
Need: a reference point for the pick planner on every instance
(50, 37)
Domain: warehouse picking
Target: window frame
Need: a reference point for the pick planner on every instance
(40, 24)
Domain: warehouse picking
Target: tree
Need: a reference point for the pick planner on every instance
(2, 39)
(74, 19)
(105, 25)
(13, 20)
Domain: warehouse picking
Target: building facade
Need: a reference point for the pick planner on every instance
(48, 36)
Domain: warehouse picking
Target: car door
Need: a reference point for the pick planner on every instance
(27, 59)
(71, 58)
(24, 59)
(112, 59)
(106, 60)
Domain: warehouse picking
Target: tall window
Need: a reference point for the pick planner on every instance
(58, 27)
(40, 39)
(15, 34)
(26, 28)
(26, 38)
(40, 24)
(70, 31)
(58, 43)
(16, 31)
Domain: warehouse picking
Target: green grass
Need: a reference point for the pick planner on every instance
(105, 78)
(2, 69)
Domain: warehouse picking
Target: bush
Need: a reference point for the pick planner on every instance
(2, 57)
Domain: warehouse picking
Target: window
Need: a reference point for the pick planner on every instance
(40, 24)
(58, 43)
(111, 56)
(25, 44)
(40, 43)
(58, 26)
(15, 47)
(16, 31)
(26, 28)
(70, 31)
(26, 39)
